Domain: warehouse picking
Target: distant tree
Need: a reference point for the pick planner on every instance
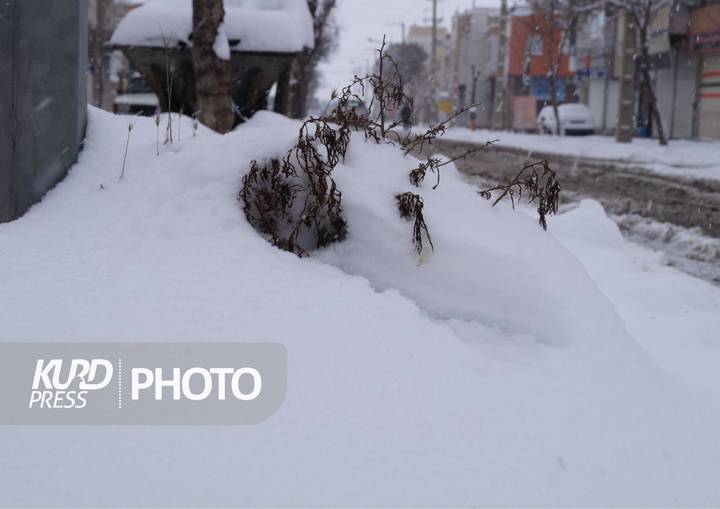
(552, 25)
(641, 13)
(301, 80)
(98, 53)
(212, 73)
(411, 60)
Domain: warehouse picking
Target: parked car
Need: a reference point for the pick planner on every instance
(575, 120)
(362, 109)
(137, 99)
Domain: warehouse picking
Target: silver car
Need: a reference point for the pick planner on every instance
(575, 120)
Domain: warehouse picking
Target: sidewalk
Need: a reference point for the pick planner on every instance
(684, 158)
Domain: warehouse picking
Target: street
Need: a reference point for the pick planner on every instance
(631, 196)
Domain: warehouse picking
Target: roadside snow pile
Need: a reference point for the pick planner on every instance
(675, 318)
(689, 242)
(277, 26)
(687, 249)
(488, 267)
(492, 373)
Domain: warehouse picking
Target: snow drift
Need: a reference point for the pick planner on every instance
(493, 373)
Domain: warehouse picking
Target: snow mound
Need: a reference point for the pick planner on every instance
(674, 317)
(277, 26)
(493, 373)
(490, 265)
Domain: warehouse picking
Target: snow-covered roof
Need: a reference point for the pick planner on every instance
(276, 26)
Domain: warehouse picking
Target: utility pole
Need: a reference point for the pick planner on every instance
(402, 27)
(433, 67)
(463, 25)
(626, 108)
(475, 76)
(456, 66)
(498, 117)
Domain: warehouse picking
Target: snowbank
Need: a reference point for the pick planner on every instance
(675, 318)
(493, 373)
(275, 26)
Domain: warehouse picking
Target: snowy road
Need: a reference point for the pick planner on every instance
(678, 215)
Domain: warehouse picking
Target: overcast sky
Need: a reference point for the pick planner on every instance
(360, 20)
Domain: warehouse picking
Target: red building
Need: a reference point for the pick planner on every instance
(537, 45)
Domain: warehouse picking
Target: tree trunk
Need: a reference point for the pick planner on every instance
(555, 62)
(212, 73)
(300, 89)
(556, 111)
(553, 76)
(642, 19)
(647, 82)
(303, 70)
(282, 93)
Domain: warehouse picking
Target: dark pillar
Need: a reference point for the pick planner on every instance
(626, 110)
(43, 97)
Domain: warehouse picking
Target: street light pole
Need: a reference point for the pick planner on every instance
(626, 107)
(402, 27)
(475, 76)
(498, 117)
(433, 67)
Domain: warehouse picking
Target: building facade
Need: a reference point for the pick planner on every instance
(684, 47)
(704, 44)
(539, 64)
(474, 62)
(433, 105)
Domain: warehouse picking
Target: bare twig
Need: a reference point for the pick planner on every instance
(547, 195)
(130, 125)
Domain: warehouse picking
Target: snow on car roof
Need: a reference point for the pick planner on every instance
(275, 26)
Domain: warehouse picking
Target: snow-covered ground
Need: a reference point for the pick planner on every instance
(512, 367)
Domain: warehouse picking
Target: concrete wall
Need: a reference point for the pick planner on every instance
(603, 102)
(43, 104)
(7, 71)
(675, 88)
(709, 121)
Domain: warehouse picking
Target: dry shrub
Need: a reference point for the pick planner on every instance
(295, 202)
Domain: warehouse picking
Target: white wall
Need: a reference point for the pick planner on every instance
(604, 96)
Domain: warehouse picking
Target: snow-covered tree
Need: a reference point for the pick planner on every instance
(303, 76)
(411, 61)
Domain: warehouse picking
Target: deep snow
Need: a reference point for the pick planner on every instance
(512, 367)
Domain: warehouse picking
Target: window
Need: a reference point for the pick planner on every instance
(535, 46)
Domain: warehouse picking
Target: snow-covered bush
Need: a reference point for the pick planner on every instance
(295, 202)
